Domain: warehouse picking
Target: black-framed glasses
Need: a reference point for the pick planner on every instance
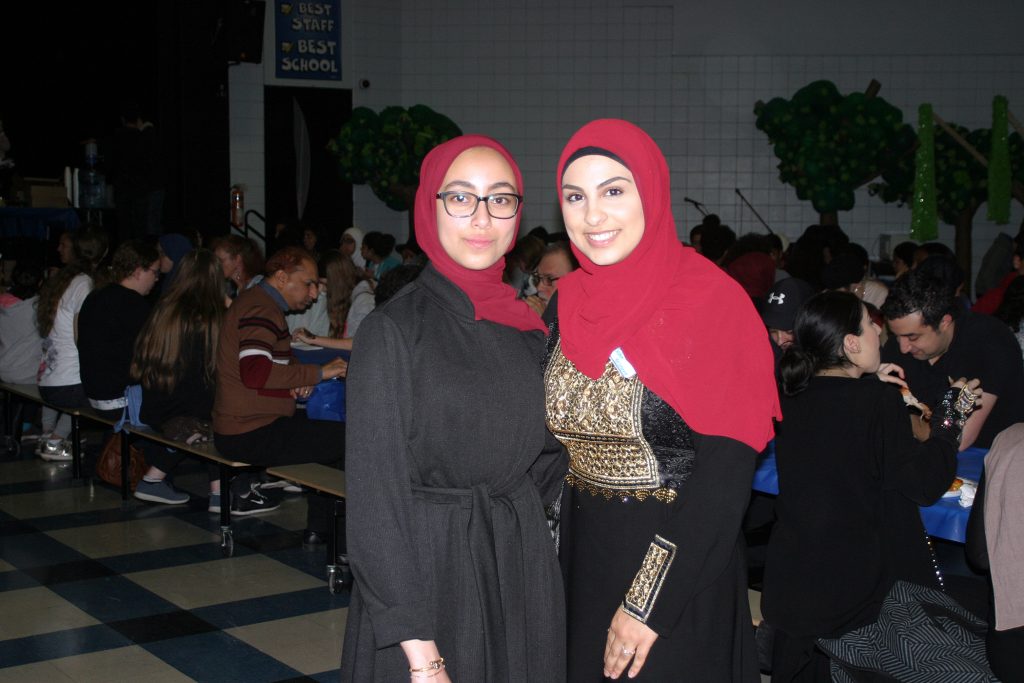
(458, 204)
(550, 280)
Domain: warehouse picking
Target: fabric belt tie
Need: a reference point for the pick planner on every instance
(492, 585)
(108, 404)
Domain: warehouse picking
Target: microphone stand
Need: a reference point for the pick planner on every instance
(754, 211)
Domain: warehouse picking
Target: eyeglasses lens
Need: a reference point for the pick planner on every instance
(463, 204)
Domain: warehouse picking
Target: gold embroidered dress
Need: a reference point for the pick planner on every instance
(649, 525)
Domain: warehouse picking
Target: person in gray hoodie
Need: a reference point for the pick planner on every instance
(20, 343)
(21, 347)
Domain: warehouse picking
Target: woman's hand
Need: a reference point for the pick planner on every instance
(419, 653)
(973, 386)
(441, 677)
(922, 430)
(628, 639)
(303, 335)
(536, 303)
(891, 374)
(967, 402)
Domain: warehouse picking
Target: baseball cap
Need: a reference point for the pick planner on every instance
(782, 303)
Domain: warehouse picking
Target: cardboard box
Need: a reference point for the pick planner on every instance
(46, 194)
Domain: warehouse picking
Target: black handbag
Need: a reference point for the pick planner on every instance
(921, 634)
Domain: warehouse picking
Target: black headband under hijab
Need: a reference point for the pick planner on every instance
(591, 151)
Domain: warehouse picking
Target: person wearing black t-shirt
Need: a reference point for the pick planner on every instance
(109, 321)
(108, 324)
(933, 341)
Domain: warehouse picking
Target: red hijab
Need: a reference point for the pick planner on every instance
(492, 299)
(687, 328)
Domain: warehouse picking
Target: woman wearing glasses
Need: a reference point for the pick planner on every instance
(660, 384)
(448, 462)
(556, 262)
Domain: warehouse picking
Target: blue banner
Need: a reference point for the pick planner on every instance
(308, 39)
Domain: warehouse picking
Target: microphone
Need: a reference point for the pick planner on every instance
(697, 205)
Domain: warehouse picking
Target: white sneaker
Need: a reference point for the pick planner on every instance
(54, 450)
(284, 484)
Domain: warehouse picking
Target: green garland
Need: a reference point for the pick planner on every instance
(999, 164)
(924, 223)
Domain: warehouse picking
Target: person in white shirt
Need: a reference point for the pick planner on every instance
(60, 300)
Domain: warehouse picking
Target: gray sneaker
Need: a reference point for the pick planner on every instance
(160, 492)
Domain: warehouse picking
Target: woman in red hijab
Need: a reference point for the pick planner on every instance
(448, 463)
(660, 384)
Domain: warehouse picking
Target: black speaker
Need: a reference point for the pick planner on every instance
(242, 32)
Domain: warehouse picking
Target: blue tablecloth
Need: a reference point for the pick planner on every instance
(945, 519)
(22, 221)
(318, 355)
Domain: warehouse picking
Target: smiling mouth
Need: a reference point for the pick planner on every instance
(601, 238)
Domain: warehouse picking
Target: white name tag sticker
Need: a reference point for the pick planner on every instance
(624, 367)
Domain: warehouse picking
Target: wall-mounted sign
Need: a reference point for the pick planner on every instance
(308, 39)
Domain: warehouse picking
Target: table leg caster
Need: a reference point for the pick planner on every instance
(227, 541)
(334, 583)
(339, 578)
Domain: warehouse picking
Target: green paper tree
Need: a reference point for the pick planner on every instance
(961, 181)
(999, 173)
(385, 150)
(829, 144)
(924, 223)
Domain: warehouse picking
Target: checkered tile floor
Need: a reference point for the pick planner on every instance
(89, 592)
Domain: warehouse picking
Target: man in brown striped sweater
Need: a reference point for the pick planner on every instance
(258, 380)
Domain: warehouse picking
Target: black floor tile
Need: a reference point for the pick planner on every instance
(162, 626)
(13, 527)
(78, 570)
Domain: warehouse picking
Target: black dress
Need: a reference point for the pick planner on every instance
(650, 524)
(851, 480)
(448, 467)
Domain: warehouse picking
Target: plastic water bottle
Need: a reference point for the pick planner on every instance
(92, 186)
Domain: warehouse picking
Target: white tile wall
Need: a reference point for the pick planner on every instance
(529, 72)
(245, 102)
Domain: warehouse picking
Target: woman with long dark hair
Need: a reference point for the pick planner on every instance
(174, 361)
(660, 385)
(447, 460)
(60, 300)
(851, 478)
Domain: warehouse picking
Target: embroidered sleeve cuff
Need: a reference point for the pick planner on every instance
(647, 584)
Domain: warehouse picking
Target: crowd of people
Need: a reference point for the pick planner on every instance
(658, 380)
(200, 336)
(550, 441)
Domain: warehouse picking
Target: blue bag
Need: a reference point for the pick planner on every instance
(327, 402)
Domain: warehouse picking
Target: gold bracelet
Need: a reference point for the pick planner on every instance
(434, 665)
(431, 675)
